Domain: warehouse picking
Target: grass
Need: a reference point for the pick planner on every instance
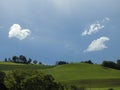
(85, 75)
(7, 66)
(81, 71)
(79, 74)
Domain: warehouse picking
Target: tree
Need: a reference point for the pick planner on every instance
(9, 59)
(41, 82)
(15, 59)
(22, 59)
(2, 76)
(89, 62)
(31, 80)
(3, 87)
(29, 61)
(35, 61)
(109, 64)
(40, 63)
(61, 62)
(6, 60)
(118, 62)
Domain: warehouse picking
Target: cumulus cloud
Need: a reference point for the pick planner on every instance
(93, 28)
(97, 45)
(96, 27)
(16, 31)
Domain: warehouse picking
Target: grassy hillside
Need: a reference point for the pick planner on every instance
(7, 66)
(80, 74)
(85, 75)
(82, 71)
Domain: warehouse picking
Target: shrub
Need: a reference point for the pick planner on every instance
(61, 62)
(31, 80)
(109, 64)
(110, 89)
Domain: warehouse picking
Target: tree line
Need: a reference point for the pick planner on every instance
(21, 59)
(105, 63)
(111, 64)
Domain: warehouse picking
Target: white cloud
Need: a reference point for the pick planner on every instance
(17, 32)
(106, 19)
(96, 27)
(97, 45)
(93, 28)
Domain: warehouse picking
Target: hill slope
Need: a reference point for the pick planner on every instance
(7, 66)
(82, 71)
(86, 75)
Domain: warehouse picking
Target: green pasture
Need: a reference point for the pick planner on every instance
(81, 71)
(85, 75)
(92, 77)
(7, 66)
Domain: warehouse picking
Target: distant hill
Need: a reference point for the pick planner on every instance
(82, 71)
(7, 66)
(82, 74)
(85, 75)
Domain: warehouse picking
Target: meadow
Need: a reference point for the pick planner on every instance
(90, 76)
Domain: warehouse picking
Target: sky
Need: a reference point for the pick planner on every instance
(54, 30)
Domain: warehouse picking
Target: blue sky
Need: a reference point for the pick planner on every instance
(52, 30)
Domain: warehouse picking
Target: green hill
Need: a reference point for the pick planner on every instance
(82, 71)
(7, 66)
(81, 74)
(85, 75)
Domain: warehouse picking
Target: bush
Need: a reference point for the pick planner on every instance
(89, 62)
(3, 87)
(73, 87)
(110, 89)
(2, 76)
(109, 64)
(61, 62)
(30, 80)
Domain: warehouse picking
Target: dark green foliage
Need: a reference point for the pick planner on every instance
(109, 64)
(82, 88)
(6, 60)
(19, 59)
(9, 60)
(118, 64)
(2, 76)
(15, 59)
(110, 89)
(89, 62)
(118, 61)
(112, 64)
(3, 87)
(30, 80)
(22, 59)
(40, 62)
(29, 61)
(73, 87)
(61, 62)
(35, 61)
